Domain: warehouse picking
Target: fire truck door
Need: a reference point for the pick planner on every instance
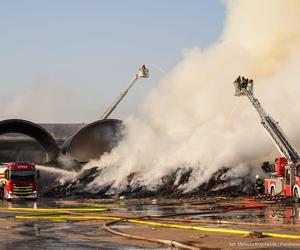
(287, 186)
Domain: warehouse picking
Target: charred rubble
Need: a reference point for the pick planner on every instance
(218, 185)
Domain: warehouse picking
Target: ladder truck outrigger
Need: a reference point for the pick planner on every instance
(285, 180)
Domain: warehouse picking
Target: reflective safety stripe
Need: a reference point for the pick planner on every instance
(26, 193)
(22, 190)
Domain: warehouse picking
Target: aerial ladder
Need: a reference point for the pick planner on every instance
(143, 72)
(286, 179)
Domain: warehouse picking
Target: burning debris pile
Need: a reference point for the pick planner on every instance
(191, 118)
(171, 186)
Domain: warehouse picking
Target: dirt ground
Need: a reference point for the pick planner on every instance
(80, 233)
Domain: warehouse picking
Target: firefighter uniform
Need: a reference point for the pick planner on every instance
(259, 185)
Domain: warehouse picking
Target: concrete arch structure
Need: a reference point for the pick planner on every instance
(93, 140)
(34, 131)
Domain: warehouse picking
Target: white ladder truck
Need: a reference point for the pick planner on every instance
(285, 180)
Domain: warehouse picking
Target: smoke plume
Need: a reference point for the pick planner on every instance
(192, 120)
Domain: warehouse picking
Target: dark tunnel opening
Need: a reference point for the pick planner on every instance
(93, 140)
(32, 130)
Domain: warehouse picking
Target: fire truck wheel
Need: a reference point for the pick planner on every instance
(272, 191)
(296, 195)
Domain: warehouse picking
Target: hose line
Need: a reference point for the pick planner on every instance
(170, 243)
(155, 224)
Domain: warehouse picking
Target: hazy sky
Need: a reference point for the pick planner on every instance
(66, 60)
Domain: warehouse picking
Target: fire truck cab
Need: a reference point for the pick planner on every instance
(18, 181)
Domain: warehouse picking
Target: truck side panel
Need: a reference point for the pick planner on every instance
(276, 182)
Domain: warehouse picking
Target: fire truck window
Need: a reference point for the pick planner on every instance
(22, 175)
(288, 177)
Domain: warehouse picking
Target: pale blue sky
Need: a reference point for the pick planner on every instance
(90, 49)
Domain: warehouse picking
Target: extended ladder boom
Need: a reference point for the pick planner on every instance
(244, 87)
(142, 73)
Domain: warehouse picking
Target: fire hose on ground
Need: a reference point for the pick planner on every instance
(170, 243)
(59, 217)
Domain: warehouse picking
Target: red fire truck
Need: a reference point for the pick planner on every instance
(285, 179)
(18, 181)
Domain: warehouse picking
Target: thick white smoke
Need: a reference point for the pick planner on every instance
(192, 119)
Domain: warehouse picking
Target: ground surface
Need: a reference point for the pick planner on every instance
(63, 229)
